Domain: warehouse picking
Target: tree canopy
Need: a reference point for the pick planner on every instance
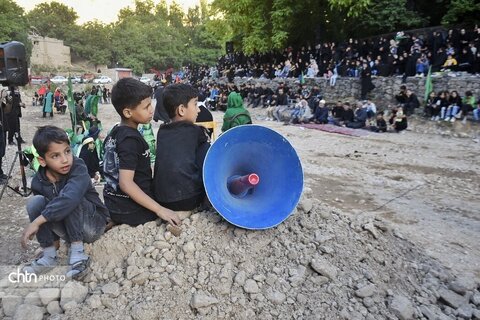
(157, 35)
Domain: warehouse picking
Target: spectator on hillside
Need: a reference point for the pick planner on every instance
(411, 103)
(398, 120)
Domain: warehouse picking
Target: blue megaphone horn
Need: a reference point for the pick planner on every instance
(253, 177)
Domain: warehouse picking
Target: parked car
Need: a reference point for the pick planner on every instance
(145, 80)
(59, 80)
(38, 79)
(76, 79)
(102, 79)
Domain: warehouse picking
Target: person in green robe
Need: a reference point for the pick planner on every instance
(236, 113)
(48, 104)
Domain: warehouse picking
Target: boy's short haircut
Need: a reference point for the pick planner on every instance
(128, 93)
(46, 135)
(176, 94)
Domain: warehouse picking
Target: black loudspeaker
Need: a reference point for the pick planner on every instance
(13, 64)
(229, 47)
(253, 177)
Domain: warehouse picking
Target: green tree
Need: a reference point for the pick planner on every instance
(462, 11)
(13, 25)
(54, 20)
(12, 22)
(93, 42)
(386, 16)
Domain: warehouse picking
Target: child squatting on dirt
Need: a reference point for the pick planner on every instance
(65, 205)
(128, 192)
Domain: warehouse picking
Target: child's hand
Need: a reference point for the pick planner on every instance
(28, 234)
(169, 216)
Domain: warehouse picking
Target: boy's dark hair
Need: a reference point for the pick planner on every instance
(128, 93)
(46, 135)
(176, 94)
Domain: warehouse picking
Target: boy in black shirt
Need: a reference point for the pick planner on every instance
(128, 191)
(181, 150)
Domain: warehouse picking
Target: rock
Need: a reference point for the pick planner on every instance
(161, 245)
(475, 299)
(69, 305)
(465, 311)
(240, 278)
(276, 297)
(476, 314)
(251, 286)
(371, 228)
(366, 291)
(94, 301)
(29, 312)
(132, 271)
(324, 268)
(432, 312)
(463, 284)
(451, 298)
(189, 247)
(33, 298)
(402, 307)
(48, 295)
(112, 289)
(141, 278)
(54, 308)
(298, 275)
(73, 291)
(10, 304)
(182, 215)
(201, 300)
(305, 204)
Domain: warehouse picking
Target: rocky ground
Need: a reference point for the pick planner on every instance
(387, 228)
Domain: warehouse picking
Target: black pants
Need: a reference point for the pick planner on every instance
(185, 204)
(133, 218)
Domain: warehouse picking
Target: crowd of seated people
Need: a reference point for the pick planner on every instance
(402, 54)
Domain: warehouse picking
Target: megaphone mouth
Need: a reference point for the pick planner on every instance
(234, 166)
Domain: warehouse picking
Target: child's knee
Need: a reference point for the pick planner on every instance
(35, 206)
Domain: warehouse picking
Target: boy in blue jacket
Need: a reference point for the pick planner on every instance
(65, 204)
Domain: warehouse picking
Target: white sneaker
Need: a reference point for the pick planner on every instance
(437, 118)
(452, 119)
(446, 119)
(433, 118)
(464, 121)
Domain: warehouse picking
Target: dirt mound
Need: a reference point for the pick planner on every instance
(319, 262)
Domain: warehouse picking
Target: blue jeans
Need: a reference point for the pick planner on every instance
(82, 224)
(451, 111)
(476, 114)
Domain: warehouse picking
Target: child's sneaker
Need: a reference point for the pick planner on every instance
(40, 265)
(79, 269)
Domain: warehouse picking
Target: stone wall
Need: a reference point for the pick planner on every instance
(49, 52)
(386, 87)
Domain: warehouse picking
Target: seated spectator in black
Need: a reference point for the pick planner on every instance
(257, 96)
(266, 96)
(401, 97)
(381, 124)
(398, 120)
(360, 118)
(465, 60)
(348, 114)
(338, 111)
(321, 113)
(222, 101)
(89, 155)
(411, 103)
(431, 108)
